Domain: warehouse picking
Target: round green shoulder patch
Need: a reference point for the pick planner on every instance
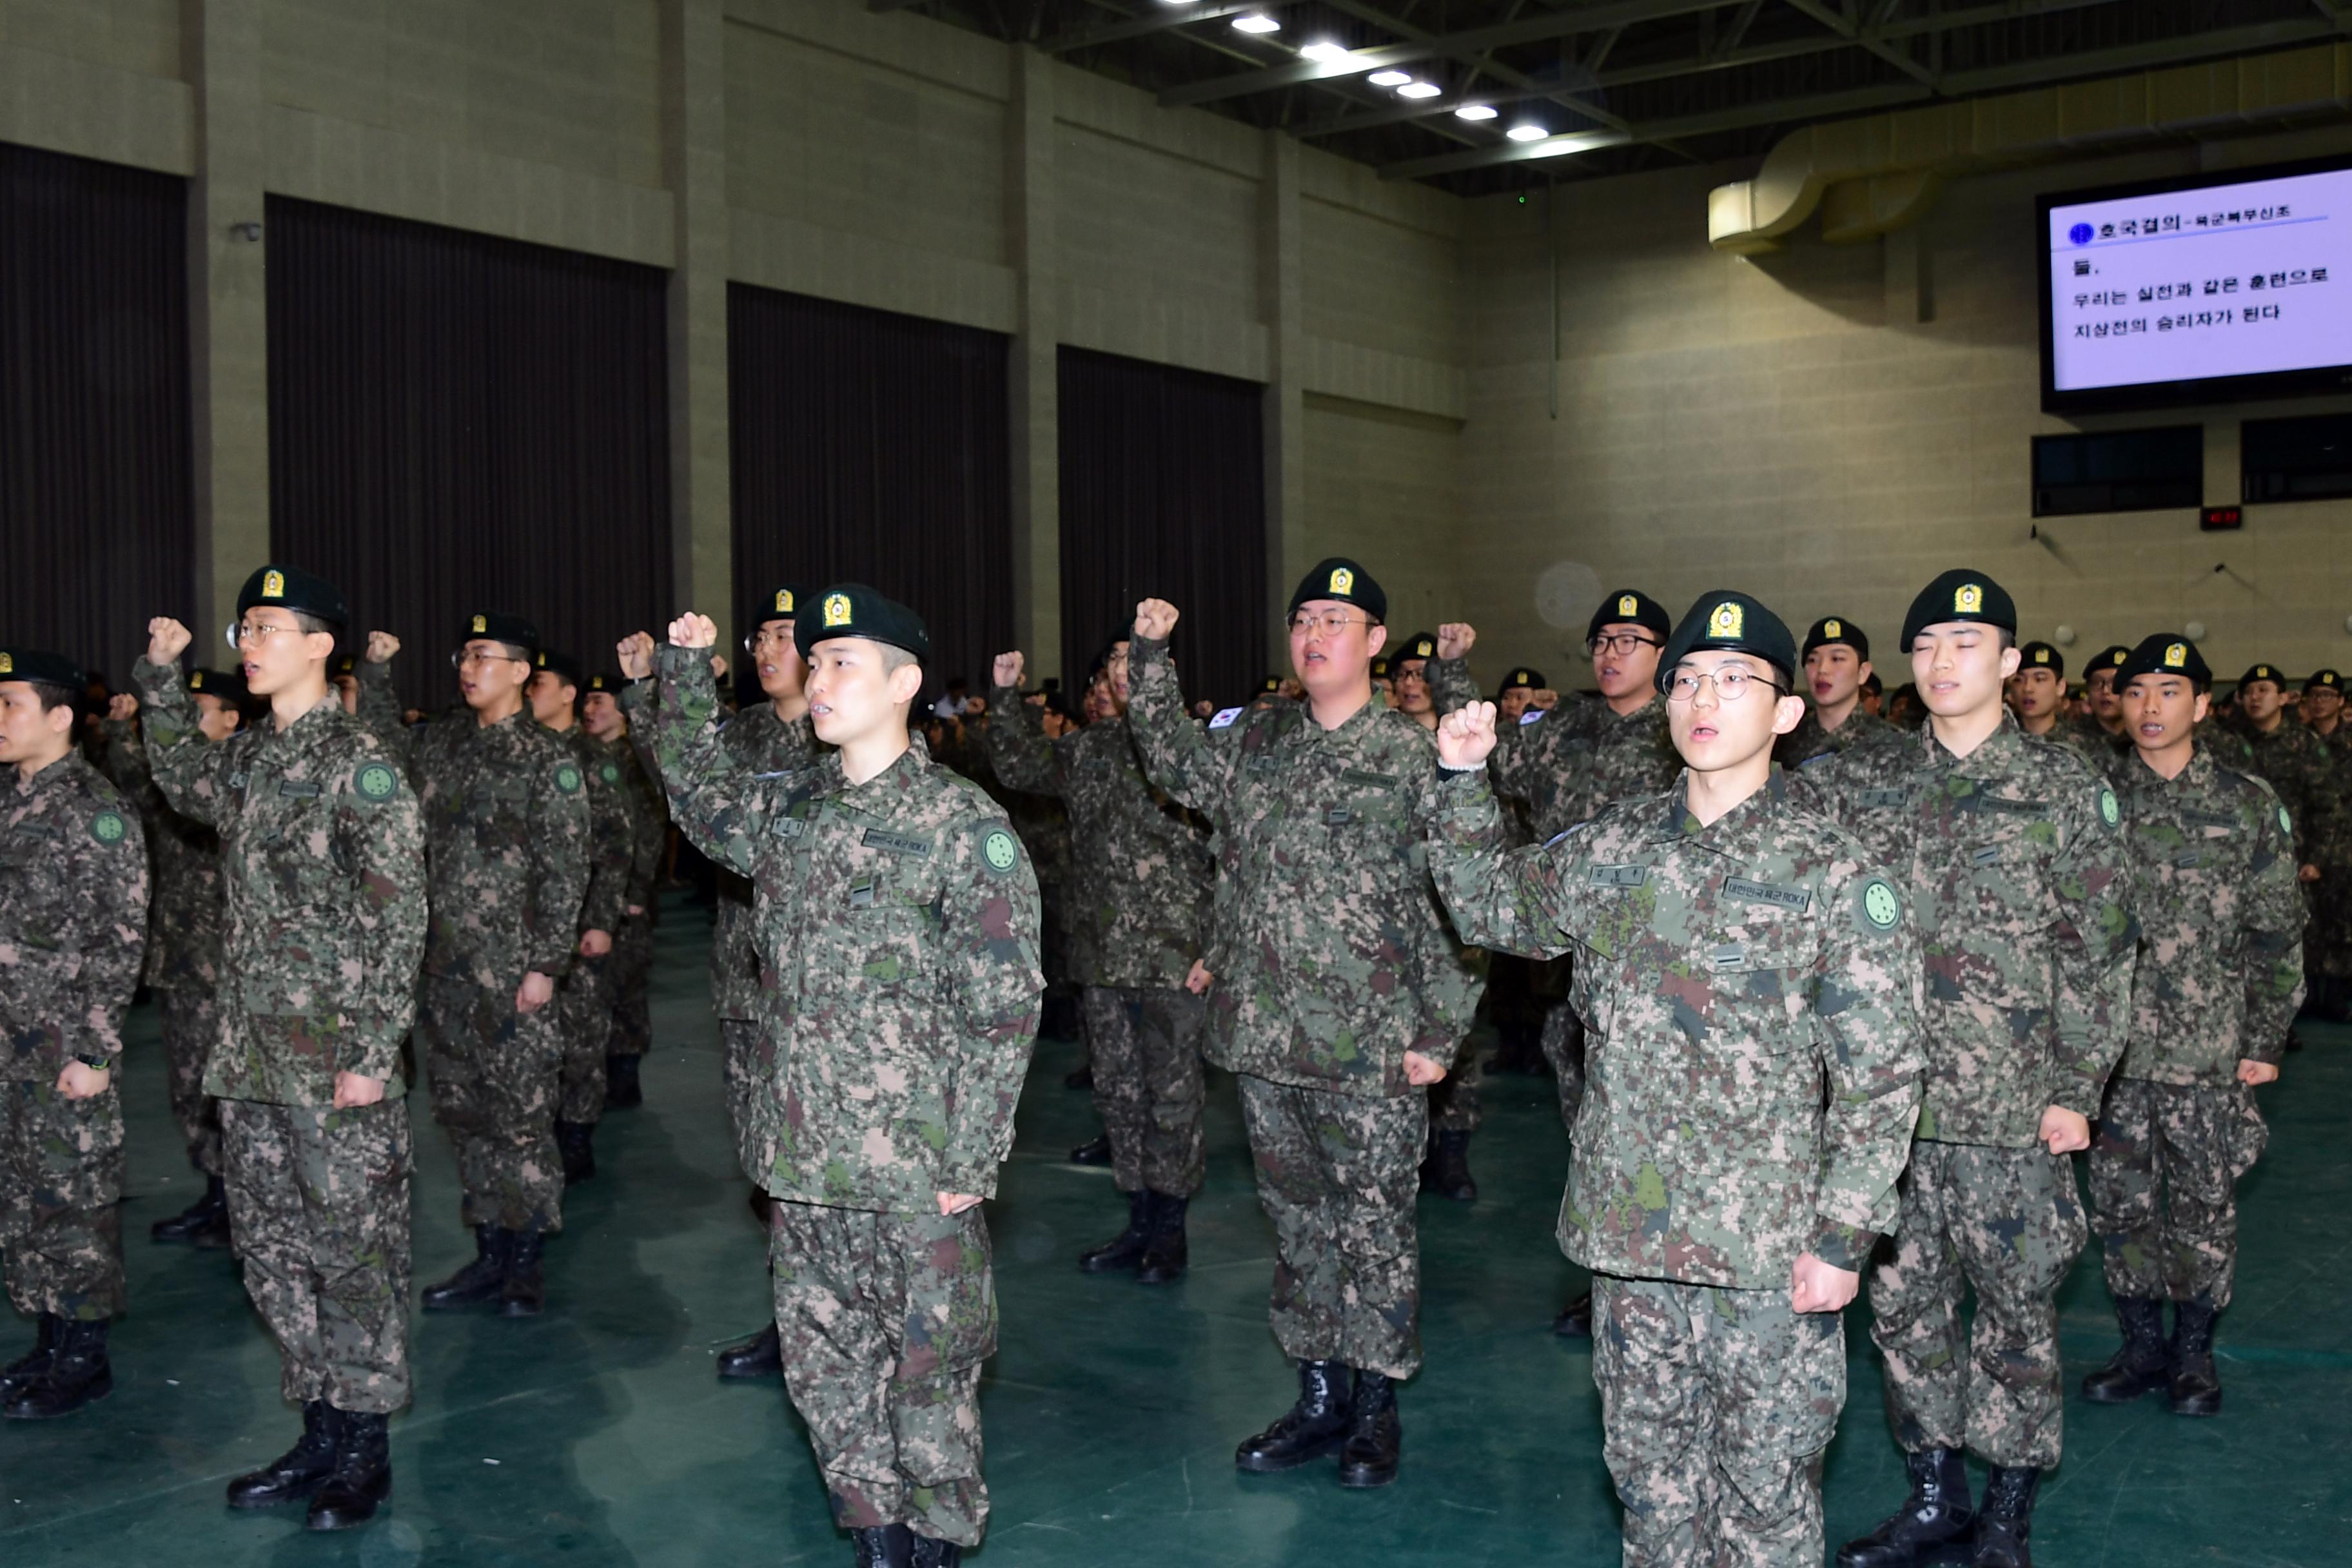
(999, 850)
(567, 778)
(2286, 823)
(376, 782)
(108, 827)
(1881, 905)
(2109, 812)
(610, 773)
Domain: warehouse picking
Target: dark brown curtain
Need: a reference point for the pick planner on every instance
(873, 448)
(1163, 496)
(460, 423)
(97, 521)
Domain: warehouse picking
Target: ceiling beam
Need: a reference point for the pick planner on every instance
(1894, 55)
(1160, 20)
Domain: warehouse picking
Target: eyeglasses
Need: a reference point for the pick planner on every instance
(765, 638)
(1620, 643)
(1330, 622)
(256, 632)
(466, 655)
(1730, 684)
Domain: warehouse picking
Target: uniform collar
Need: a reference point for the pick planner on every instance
(2198, 776)
(2002, 750)
(65, 770)
(1305, 731)
(909, 766)
(1737, 833)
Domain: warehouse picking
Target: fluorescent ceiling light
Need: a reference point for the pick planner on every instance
(1256, 22)
(1476, 112)
(1419, 89)
(1323, 50)
(1526, 132)
(1388, 78)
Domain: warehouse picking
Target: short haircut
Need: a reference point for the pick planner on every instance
(52, 696)
(2007, 639)
(896, 658)
(311, 623)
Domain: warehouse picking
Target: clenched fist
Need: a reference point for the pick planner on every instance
(637, 653)
(382, 647)
(167, 639)
(1155, 619)
(1466, 735)
(122, 707)
(1008, 668)
(691, 630)
(1456, 639)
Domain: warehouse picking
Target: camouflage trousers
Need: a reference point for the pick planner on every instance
(2164, 1171)
(319, 1199)
(1563, 1048)
(632, 980)
(1148, 1087)
(583, 1017)
(191, 1018)
(1337, 1175)
(60, 1179)
(2007, 1224)
(1456, 1103)
(497, 1078)
(749, 1062)
(1716, 1406)
(884, 1319)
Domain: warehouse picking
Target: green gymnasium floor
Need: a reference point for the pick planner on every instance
(597, 1434)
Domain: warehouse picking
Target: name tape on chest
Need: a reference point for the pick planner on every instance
(1618, 875)
(1884, 799)
(1795, 899)
(905, 844)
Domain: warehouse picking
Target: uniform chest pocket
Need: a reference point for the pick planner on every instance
(2001, 874)
(887, 943)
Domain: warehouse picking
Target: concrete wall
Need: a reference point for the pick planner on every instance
(809, 145)
(1829, 427)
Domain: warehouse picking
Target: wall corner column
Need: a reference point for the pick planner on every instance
(694, 141)
(1287, 541)
(1034, 400)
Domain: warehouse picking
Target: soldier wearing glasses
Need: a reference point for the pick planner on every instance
(507, 837)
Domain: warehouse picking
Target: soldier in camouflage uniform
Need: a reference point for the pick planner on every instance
(2219, 972)
(2037, 695)
(1741, 953)
(507, 837)
(1567, 765)
(322, 857)
(2011, 854)
(1520, 992)
(1836, 656)
(631, 966)
(2327, 941)
(773, 737)
(73, 925)
(2099, 734)
(184, 939)
(1340, 994)
(2297, 764)
(586, 999)
(1143, 909)
(897, 916)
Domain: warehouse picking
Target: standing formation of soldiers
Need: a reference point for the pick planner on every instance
(1831, 998)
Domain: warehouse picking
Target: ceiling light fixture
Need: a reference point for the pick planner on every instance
(1256, 22)
(1526, 132)
(1323, 50)
(1476, 112)
(1388, 78)
(1419, 89)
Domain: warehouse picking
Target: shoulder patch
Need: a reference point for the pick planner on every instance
(2286, 823)
(2109, 812)
(610, 773)
(375, 781)
(567, 778)
(1225, 717)
(1880, 906)
(1531, 715)
(1001, 850)
(108, 827)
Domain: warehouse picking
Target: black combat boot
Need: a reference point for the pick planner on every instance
(884, 1546)
(1094, 1151)
(2007, 1520)
(2195, 1383)
(761, 1356)
(1446, 1170)
(297, 1472)
(27, 1368)
(622, 1089)
(1166, 1258)
(1375, 1435)
(1935, 1514)
(575, 1140)
(930, 1554)
(523, 1294)
(1126, 1250)
(2140, 1366)
(1317, 1424)
(480, 1280)
(204, 1223)
(77, 1372)
(361, 1479)
(1575, 1319)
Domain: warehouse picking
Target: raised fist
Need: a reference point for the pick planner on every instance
(1155, 619)
(1466, 735)
(1008, 668)
(122, 707)
(381, 647)
(167, 639)
(1456, 639)
(636, 651)
(691, 630)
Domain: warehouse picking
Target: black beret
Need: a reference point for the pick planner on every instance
(605, 681)
(1630, 606)
(1340, 579)
(228, 686)
(854, 610)
(2110, 657)
(1272, 684)
(1524, 680)
(2041, 655)
(2163, 654)
(1733, 621)
(1834, 629)
(1420, 646)
(494, 626)
(2253, 672)
(346, 664)
(295, 590)
(1380, 667)
(43, 669)
(781, 603)
(2327, 677)
(1872, 683)
(1960, 594)
(565, 667)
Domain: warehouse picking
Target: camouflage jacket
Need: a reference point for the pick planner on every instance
(507, 841)
(612, 837)
(183, 919)
(1143, 870)
(323, 913)
(619, 769)
(2220, 914)
(2014, 857)
(757, 742)
(1725, 973)
(73, 917)
(1569, 762)
(1810, 740)
(1331, 954)
(897, 921)
(2298, 765)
